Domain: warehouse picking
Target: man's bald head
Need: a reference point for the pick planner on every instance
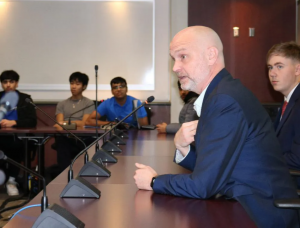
(203, 57)
(203, 37)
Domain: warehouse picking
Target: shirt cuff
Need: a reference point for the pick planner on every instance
(179, 157)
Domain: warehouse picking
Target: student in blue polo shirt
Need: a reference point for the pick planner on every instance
(119, 106)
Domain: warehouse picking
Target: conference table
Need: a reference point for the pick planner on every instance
(41, 135)
(123, 205)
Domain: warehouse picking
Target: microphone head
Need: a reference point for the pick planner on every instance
(10, 100)
(150, 99)
(2, 177)
(96, 67)
(2, 155)
(27, 100)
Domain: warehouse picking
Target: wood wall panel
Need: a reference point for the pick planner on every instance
(274, 22)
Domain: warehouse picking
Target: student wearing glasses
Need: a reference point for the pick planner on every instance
(118, 106)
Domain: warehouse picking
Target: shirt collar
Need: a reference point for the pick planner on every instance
(198, 103)
(287, 99)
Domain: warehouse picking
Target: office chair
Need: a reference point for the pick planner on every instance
(290, 203)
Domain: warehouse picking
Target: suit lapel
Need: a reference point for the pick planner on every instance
(277, 120)
(289, 108)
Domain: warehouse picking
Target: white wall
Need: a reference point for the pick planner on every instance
(45, 41)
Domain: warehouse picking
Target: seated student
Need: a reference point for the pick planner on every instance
(23, 116)
(284, 73)
(68, 148)
(119, 106)
(186, 114)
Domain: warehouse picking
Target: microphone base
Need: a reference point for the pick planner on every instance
(72, 126)
(94, 169)
(121, 134)
(117, 140)
(56, 216)
(80, 188)
(104, 156)
(111, 147)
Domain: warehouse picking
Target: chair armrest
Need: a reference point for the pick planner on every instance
(288, 203)
(295, 173)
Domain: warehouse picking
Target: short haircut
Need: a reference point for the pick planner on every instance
(118, 80)
(9, 75)
(83, 78)
(289, 50)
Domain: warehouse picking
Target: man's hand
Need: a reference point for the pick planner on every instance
(58, 127)
(185, 136)
(161, 128)
(8, 123)
(143, 176)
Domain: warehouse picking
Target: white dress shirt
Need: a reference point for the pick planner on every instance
(197, 106)
(287, 99)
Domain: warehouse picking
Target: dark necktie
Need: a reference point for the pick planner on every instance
(283, 108)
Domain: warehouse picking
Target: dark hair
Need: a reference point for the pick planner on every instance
(9, 75)
(189, 96)
(83, 78)
(118, 80)
(289, 50)
(179, 85)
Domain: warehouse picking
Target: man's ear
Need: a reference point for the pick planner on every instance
(17, 84)
(212, 55)
(84, 87)
(297, 69)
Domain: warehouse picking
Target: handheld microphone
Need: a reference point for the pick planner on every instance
(86, 157)
(44, 198)
(8, 102)
(69, 122)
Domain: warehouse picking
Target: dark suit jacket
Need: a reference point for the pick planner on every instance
(288, 130)
(236, 154)
(26, 112)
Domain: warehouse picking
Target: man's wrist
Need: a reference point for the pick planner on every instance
(183, 150)
(152, 182)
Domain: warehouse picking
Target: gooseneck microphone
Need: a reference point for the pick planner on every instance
(86, 157)
(44, 197)
(79, 187)
(69, 122)
(149, 100)
(96, 80)
(8, 102)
